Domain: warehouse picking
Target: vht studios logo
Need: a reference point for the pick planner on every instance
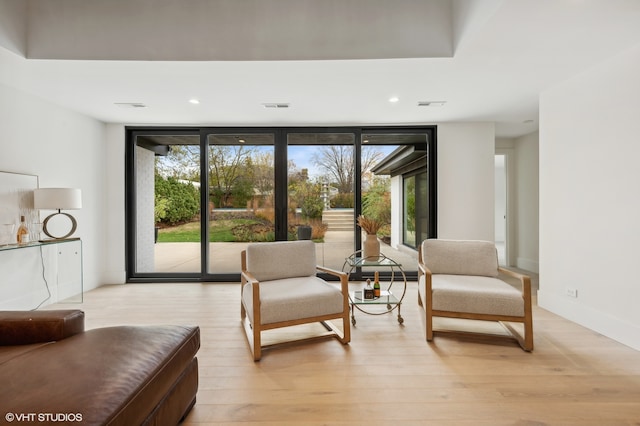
(43, 417)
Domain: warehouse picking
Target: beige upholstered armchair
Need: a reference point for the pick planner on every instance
(460, 279)
(280, 289)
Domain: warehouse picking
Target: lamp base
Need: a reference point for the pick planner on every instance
(74, 226)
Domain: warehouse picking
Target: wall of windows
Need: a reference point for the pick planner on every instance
(197, 196)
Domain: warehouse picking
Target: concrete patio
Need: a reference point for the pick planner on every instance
(225, 257)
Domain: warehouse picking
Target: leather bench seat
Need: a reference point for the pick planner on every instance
(125, 375)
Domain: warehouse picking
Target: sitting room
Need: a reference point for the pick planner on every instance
(173, 172)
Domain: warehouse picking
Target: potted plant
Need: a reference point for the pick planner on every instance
(371, 245)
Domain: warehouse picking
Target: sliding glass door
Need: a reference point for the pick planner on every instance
(197, 196)
(165, 222)
(240, 196)
(320, 187)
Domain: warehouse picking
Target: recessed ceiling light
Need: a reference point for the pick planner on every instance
(194, 101)
(431, 103)
(394, 99)
(130, 104)
(241, 140)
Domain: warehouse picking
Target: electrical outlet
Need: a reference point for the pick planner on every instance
(572, 292)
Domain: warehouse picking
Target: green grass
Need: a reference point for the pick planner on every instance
(220, 231)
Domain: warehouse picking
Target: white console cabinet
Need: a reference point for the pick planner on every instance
(40, 273)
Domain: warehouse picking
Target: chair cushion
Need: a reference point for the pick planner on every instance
(460, 257)
(294, 298)
(474, 294)
(281, 259)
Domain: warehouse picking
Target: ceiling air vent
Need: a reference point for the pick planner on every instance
(431, 103)
(130, 104)
(276, 105)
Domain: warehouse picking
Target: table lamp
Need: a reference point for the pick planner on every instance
(58, 199)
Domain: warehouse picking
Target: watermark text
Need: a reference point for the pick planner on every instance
(43, 417)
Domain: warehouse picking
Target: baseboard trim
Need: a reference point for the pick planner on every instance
(614, 328)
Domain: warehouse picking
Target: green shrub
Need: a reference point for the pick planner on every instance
(376, 202)
(181, 200)
(312, 208)
(160, 208)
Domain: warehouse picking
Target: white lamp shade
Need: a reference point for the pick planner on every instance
(57, 199)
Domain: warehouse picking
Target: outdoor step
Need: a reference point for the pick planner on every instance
(336, 217)
(329, 217)
(339, 220)
(334, 213)
(339, 226)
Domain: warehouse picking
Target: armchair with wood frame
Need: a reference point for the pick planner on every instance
(279, 288)
(460, 279)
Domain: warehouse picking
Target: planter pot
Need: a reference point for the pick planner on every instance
(371, 247)
(304, 232)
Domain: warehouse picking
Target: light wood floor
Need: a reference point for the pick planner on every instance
(388, 375)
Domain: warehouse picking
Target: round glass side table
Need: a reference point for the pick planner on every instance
(387, 296)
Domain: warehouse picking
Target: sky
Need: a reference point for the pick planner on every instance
(301, 155)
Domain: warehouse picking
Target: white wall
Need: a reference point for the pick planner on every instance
(114, 260)
(590, 198)
(13, 25)
(466, 180)
(527, 202)
(64, 149)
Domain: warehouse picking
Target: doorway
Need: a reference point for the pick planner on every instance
(500, 226)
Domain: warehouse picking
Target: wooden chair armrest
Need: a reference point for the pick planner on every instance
(344, 283)
(246, 276)
(330, 271)
(525, 280)
(422, 269)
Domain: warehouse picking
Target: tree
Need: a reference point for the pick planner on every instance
(235, 171)
(338, 163)
(229, 167)
(307, 195)
(182, 162)
(262, 173)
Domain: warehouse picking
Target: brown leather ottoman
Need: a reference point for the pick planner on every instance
(125, 375)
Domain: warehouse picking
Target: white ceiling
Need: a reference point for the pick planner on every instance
(488, 59)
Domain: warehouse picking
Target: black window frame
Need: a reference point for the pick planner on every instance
(280, 178)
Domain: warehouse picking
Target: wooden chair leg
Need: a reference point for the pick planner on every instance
(257, 345)
(528, 334)
(346, 327)
(429, 324)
